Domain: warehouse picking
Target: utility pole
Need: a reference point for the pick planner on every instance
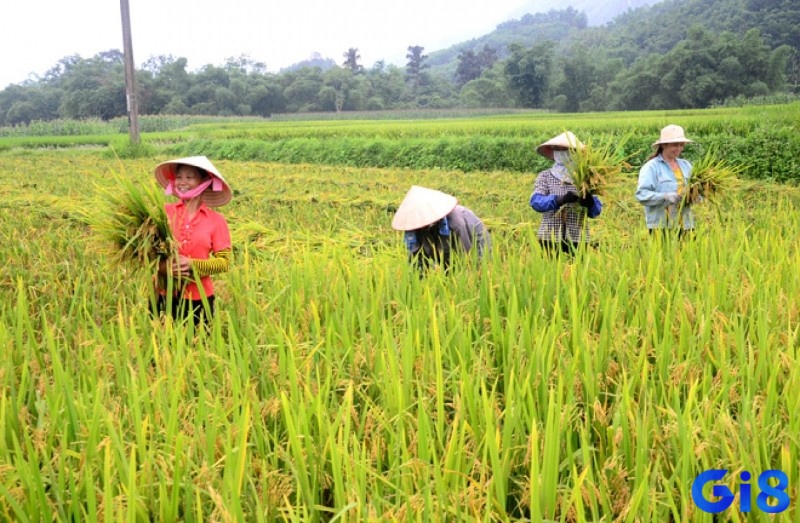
(130, 73)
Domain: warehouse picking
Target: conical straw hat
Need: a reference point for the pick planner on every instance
(165, 172)
(422, 207)
(565, 139)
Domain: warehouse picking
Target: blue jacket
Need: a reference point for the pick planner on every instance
(656, 180)
(545, 203)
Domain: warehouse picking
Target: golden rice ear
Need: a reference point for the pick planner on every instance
(712, 174)
(132, 223)
(595, 166)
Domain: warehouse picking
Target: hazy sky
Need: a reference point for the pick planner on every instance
(36, 34)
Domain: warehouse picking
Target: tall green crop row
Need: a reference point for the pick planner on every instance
(765, 151)
(335, 383)
(764, 139)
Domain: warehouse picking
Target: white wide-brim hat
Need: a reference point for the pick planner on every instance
(422, 207)
(672, 134)
(567, 140)
(165, 172)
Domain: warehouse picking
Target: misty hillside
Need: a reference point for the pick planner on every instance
(598, 12)
(551, 20)
(534, 24)
(647, 27)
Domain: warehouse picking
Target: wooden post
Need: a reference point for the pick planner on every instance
(130, 73)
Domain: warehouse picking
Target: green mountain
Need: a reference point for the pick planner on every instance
(633, 29)
(597, 12)
(539, 20)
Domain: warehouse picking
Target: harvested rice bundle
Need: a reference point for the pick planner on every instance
(595, 165)
(133, 222)
(711, 176)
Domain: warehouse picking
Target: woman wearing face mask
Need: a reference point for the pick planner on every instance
(436, 227)
(563, 210)
(202, 237)
(662, 184)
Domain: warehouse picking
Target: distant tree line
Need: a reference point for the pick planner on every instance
(95, 88)
(568, 67)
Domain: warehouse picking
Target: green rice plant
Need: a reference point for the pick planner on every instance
(336, 385)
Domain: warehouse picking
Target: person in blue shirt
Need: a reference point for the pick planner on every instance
(436, 227)
(662, 184)
(563, 210)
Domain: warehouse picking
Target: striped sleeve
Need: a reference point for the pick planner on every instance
(216, 264)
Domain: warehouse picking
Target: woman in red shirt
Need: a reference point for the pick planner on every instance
(202, 237)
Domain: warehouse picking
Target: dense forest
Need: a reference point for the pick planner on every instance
(669, 55)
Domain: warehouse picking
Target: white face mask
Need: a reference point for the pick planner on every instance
(561, 157)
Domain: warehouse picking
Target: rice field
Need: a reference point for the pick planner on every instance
(335, 384)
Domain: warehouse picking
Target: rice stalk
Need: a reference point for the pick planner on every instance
(595, 166)
(132, 222)
(590, 389)
(712, 176)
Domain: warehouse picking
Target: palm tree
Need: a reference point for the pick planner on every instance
(351, 61)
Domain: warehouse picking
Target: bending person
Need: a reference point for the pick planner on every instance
(436, 228)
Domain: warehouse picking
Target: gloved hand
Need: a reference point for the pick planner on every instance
(672, 198)
(569, 197)
(587, 201)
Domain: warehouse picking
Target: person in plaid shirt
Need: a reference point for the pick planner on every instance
(563, 210)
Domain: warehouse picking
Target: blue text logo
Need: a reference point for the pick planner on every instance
(766, 492)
